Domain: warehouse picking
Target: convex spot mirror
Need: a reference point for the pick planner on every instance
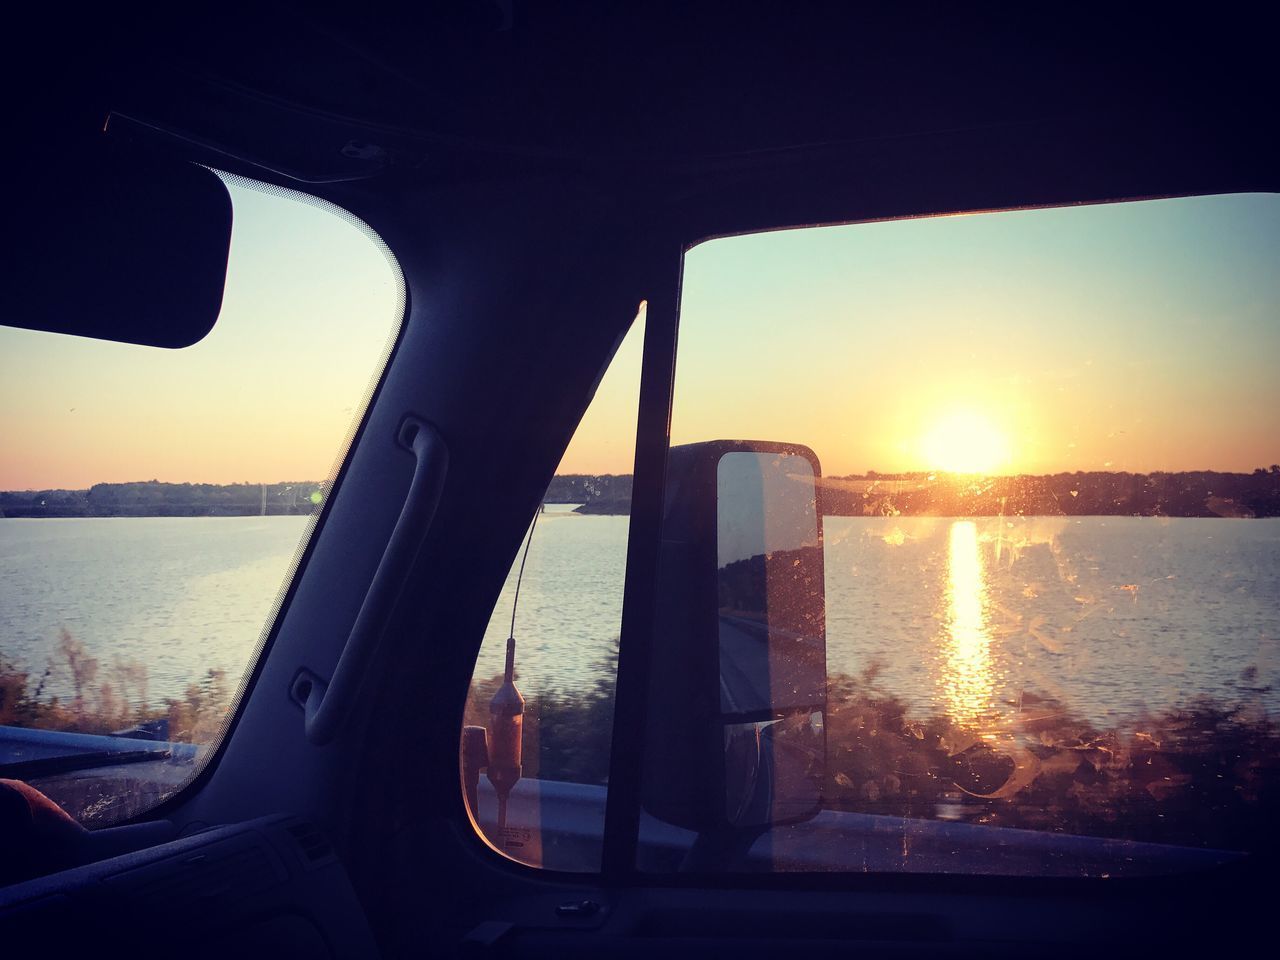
(104, 242)
(738, 685)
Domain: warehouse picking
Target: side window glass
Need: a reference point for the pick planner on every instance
(1049, 518)
(154, 504)
(553, 710)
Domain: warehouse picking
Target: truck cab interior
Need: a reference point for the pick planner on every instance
(537, 174)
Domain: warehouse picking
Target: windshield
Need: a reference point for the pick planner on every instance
(154, 504)
(1046, 597)
(1051, 522)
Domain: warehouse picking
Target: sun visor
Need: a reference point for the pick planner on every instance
(109, 243)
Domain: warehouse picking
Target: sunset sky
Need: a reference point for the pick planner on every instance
(1136, 337)
(269, 395)
(1139, 337)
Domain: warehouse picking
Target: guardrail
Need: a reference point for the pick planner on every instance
(559, 826)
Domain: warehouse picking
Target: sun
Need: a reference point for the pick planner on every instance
(964, 441)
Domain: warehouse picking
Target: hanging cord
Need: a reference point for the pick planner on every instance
(503, 788)
(511, 635)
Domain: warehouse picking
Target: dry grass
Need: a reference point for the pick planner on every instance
(108, 697)
(1204, 775)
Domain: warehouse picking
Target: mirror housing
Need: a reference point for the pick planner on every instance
(737, 698)
(103, 241)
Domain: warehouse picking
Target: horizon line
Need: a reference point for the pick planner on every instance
(865, 475)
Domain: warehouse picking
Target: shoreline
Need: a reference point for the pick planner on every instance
(1187, 494)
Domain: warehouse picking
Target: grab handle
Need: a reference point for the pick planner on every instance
(328, 705)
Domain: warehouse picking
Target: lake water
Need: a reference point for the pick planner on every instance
(1114, 616)
(177, 594)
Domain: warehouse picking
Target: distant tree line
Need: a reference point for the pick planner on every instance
(1196, 493)
(600, 494)
(155, 499)
(1200, 493)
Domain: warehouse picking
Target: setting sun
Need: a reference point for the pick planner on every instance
(963, 441)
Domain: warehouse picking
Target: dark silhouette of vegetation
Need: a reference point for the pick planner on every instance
(1202, 493)
(1206, 774)
(109, 698)
(784, 580)
(596, 494)
(613, 507)
(1198, 493)
(588, 488)
(155, 499)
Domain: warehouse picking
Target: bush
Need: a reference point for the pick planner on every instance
(108, 699)
(1205, 775)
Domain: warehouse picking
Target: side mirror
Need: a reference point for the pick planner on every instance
(736, 739)
(103, 241)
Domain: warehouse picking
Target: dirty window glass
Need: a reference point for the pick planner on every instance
(1050, 526)
(153, 503)
(536, 746)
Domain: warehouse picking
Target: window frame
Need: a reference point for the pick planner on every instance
(206, 765)
(620, 840)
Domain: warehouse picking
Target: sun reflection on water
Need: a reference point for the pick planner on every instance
(968, 680)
